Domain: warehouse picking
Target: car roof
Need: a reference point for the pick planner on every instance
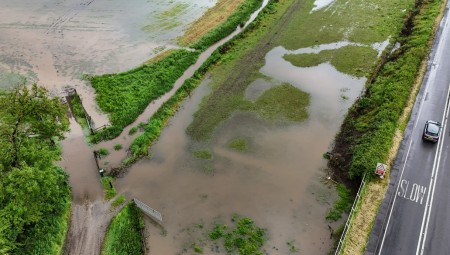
(434, 122)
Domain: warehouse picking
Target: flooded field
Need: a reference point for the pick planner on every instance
(54, 43)
(278, 181)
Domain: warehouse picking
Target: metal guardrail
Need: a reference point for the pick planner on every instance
(349, 219)
(152, 213)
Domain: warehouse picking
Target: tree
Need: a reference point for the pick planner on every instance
(25, 115)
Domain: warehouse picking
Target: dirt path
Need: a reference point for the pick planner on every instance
(89, 222)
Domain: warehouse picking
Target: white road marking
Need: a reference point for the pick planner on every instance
(414, 192)
(434, 178)
(431, 78)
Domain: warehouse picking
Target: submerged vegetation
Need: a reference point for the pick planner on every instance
(343, 204)
(244, 238)
(34, 192)
(354, 60)
(239, 144)
(124, 233)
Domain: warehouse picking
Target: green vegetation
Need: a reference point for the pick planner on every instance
(124, 233)
(368, 130)
(358, 21)
(229, 26)
(283, 102)
(34, 192)
(239, 144)
(103, 152)
(244, 238)
(125, 95)
(203, 154)
(354, 60)
(118, 201)
(133, 130)
(167, 20)
(110, 191)
(78, 111)
(343, 204)
(117, 146)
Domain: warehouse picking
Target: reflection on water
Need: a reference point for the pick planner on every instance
(276, 181)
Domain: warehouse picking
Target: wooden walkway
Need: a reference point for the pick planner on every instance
(152, 213)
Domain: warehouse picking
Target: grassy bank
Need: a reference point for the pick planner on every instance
(124, 233)
(401, 74)
(125, 95)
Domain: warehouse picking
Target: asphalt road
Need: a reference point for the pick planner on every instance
(414, 217)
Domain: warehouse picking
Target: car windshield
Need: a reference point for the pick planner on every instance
(433, 129)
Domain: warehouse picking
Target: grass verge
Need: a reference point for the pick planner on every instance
(124, 233)
(424, 23)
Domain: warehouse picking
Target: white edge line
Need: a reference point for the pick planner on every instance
(439, 152)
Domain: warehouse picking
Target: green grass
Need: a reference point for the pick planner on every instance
(343, 204)
(284, 102)
(368, 130)
(239, 144)
(78, 111)
(124, 233)
(117, 146)
(125, 95)
(110, 192)
(103, 152)
(360, 21)
(229, 26)
(118, 201)
(133, 130)
(354, 60)
(202, 154)
(243, 238)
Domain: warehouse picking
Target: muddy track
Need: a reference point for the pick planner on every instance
(89, 222)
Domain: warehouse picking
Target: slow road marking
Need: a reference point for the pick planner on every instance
(413, 192)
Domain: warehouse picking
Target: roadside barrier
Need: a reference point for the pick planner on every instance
(349, 219)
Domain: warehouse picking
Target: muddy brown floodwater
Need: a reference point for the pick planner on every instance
(277, 182)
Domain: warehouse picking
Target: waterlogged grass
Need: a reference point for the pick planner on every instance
(124, 233)
(343, 204)
(168, 19)
(78, 111)
(239, 144)
(283, 102)
(117, 146)
(118, 201)
(354, 60)
(103, 152)
(125, 95)
(243, 237)
(240, 62)
(109, 189)
(361, 21)
(203, 154)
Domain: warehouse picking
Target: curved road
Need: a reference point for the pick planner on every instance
(414, 217)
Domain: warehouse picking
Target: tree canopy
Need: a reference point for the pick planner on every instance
(33, 190)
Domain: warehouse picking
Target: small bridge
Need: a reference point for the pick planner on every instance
(152, 213)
